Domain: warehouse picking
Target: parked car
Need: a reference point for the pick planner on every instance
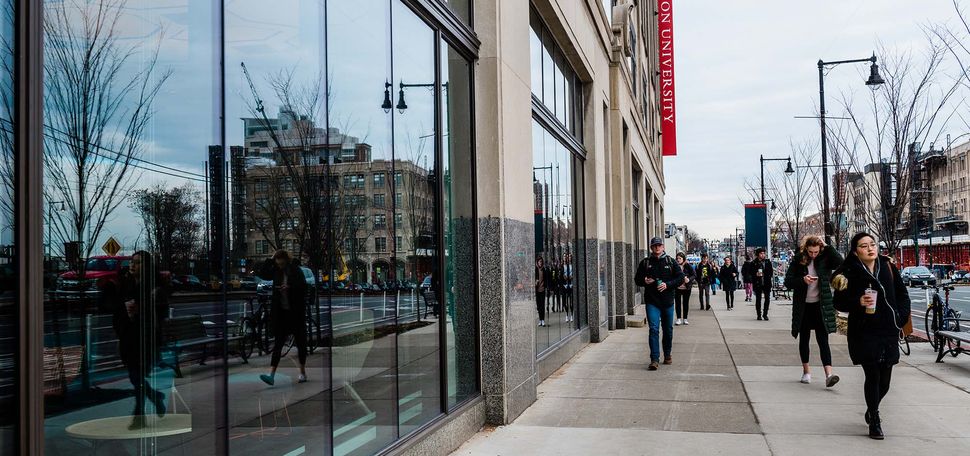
(918, 275)
(264, 287)
(961, 276)
(426, 283)
(99, 273)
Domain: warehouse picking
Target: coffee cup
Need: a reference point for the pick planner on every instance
(874, 295)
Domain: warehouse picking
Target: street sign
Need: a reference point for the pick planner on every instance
(112, 247)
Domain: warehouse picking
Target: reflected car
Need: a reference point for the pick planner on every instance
(918, 275)
(264, 287)
(249, 283)
(188, 282)
(99, 272)
(426, 283)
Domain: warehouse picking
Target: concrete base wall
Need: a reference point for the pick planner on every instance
(447, 435)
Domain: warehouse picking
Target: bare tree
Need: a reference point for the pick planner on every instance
(913, 106)
(98, 94)
(797, 194)
(7, 77)
(172, 220)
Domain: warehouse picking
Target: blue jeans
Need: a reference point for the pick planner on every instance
(657, 317)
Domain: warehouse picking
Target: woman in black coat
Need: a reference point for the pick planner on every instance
(140, 310)
(873, 337)
(728, 274)
(288, 311)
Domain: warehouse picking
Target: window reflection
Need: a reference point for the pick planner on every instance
(126, 315)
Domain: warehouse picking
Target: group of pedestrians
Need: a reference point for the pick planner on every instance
(864, 284)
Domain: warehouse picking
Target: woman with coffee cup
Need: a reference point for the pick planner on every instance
(868, 286)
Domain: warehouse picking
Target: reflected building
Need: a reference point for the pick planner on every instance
(382, 210)
(415, 156)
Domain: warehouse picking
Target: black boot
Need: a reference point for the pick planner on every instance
(875, 427)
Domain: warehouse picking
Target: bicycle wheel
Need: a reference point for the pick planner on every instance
(930, 324)
(249, 338)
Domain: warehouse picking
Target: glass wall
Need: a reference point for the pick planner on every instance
(259, 224)
(557, 190)
(9, 313)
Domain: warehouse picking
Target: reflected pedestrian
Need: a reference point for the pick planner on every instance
(287, 311)
(660, 275)
(682, 295)
(567, 284)
(809, 275)
(869, 287)
(729, 281)
(139, 313)
(542, 283)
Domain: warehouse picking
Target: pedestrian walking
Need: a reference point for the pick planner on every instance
(287, 310)
(868, 286)
(542, 281)
(809, 276)
(140, 309)
(659, 275)
(567, 284)
(682, 295)
(762, 277)
(746, 277)
(705, 275)
(729, 281)
(714, 280)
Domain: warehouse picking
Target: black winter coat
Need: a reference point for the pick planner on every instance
(762, 283)
(729, 277)
(826, 262)
(873, 338)
(746, 274)
(297, 289)
(662, 269)
(141, 336)
(689, 274)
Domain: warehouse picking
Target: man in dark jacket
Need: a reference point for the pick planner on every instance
(762, 274)
(746, 277)
(288, 311)
(660, 276)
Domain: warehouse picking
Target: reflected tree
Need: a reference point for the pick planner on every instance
(172, 222)
(98, 93)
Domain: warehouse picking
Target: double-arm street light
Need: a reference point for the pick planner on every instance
(874, 81)
(788, 170)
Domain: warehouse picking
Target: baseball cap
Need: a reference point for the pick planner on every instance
(656, 241)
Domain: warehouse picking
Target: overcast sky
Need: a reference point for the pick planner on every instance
(745, 68)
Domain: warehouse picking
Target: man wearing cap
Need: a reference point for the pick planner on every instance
(659, 275)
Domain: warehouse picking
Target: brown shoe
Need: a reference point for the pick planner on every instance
(653, 366)
(668, 360)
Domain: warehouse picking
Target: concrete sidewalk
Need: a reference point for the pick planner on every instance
(733, 389)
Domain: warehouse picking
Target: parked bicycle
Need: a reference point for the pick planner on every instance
(257, 333)
(940, 316)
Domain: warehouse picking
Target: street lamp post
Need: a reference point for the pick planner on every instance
(50, 223)
(874, 81)
(788, 172)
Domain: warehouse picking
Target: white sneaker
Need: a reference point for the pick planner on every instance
(301, 379)
(806, 378)
(686, 322)
(677, 322)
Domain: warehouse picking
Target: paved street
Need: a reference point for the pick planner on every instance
(733, 389)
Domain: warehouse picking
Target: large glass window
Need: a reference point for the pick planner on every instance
(554, 83)
(130, 120)
(246, 251)
(9, 317)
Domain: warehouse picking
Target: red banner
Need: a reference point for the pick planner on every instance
(668, 119)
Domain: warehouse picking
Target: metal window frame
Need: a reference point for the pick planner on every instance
(28, 216)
